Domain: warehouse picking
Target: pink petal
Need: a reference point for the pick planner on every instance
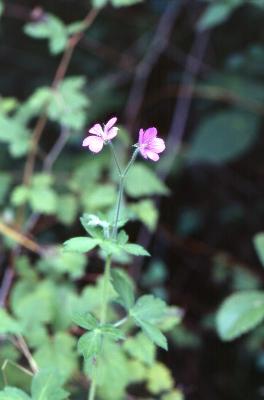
(110, 123)
(141, 137)
(111, 133)
(150, 134)
(97, 130)
(152, 155)
(142, 151)
(157, 145)
(94, 143)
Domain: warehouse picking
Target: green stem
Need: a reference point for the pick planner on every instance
(107, 276)
(92, 390)
(115, 158)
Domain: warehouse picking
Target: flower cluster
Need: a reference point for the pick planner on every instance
(149, 145)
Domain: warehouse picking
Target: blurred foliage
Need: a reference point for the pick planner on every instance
(212, 202)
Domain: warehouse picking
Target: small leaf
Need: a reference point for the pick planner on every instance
(122, 238)
(112, 332)
(8, 324)
(89, 344)
(259, 246)
(123, 285)
(142, 181)
(240, 313)
(159, 379)
(141, 348)
(135, 249)
(149, 308)
(80, 244)
(215, 14)
(154, 334)
(86, 321)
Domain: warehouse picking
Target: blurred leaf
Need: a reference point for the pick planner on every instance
(159, 379)
(240, 313)
(10, 393)
(141, 348)
(142, 181)
(80, 244)
(8, 324)
(223, 137)
(58, 352)
(153, 333)
(135, 249)
(173, 395)
(86, 321)
(215, 14)
(60, 262)
(47, 385)
(49, 27)
(90, 344)
(124, 287)
(67, 209)
(146, 211)
(102, 196)
(43, 199)
(259, 246)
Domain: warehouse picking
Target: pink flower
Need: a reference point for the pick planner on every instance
(100, 135)
(149, 145)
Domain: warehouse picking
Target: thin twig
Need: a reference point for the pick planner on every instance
(5, 286)
(59, 76)
(56, 149)
(22, 345)
(144, 68)
(19, 238)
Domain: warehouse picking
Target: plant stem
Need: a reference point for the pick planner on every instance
(107, 272)
(92, 391)
(115, 158)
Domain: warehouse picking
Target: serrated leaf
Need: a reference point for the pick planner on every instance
(124, 287)
(149, 308)
(240, 313)
(141, 348)
(58, 352)
(153, 333)
(85, 320)
(142, 181)
(122, 238)
(259, 246)
(112, 332)
(135, 249)
(80, 244)
(89, 344)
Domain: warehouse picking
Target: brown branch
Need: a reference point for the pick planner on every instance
(19, 238)
(59, 75)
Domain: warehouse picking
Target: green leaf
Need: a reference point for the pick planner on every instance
(146, 212)
(20, 195)
(8, 324)
(141, 348)
(153, 333)
(101, 197)
(89, 344)
(159, 379)
(135, 249)
(215, 14)
(76, 27)
(173, 395)
(58, 352)
(223, 137)
(85, 320)
(11, 393)
(80, 244)
(149, 308)
(51, 28)
(240, 313)
(122, 3)
(142, 181)
(112, 332)
(67, 208)
(43, 199)
(124, 287)
(122, 238)
(47, 385)
(259, 246)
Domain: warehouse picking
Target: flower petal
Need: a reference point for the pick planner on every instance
(152, 155)
(150, 134)
(157, 145)
(141, 137)
(111, 133)
(97, 130)
(110, 123)
(94, 143)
